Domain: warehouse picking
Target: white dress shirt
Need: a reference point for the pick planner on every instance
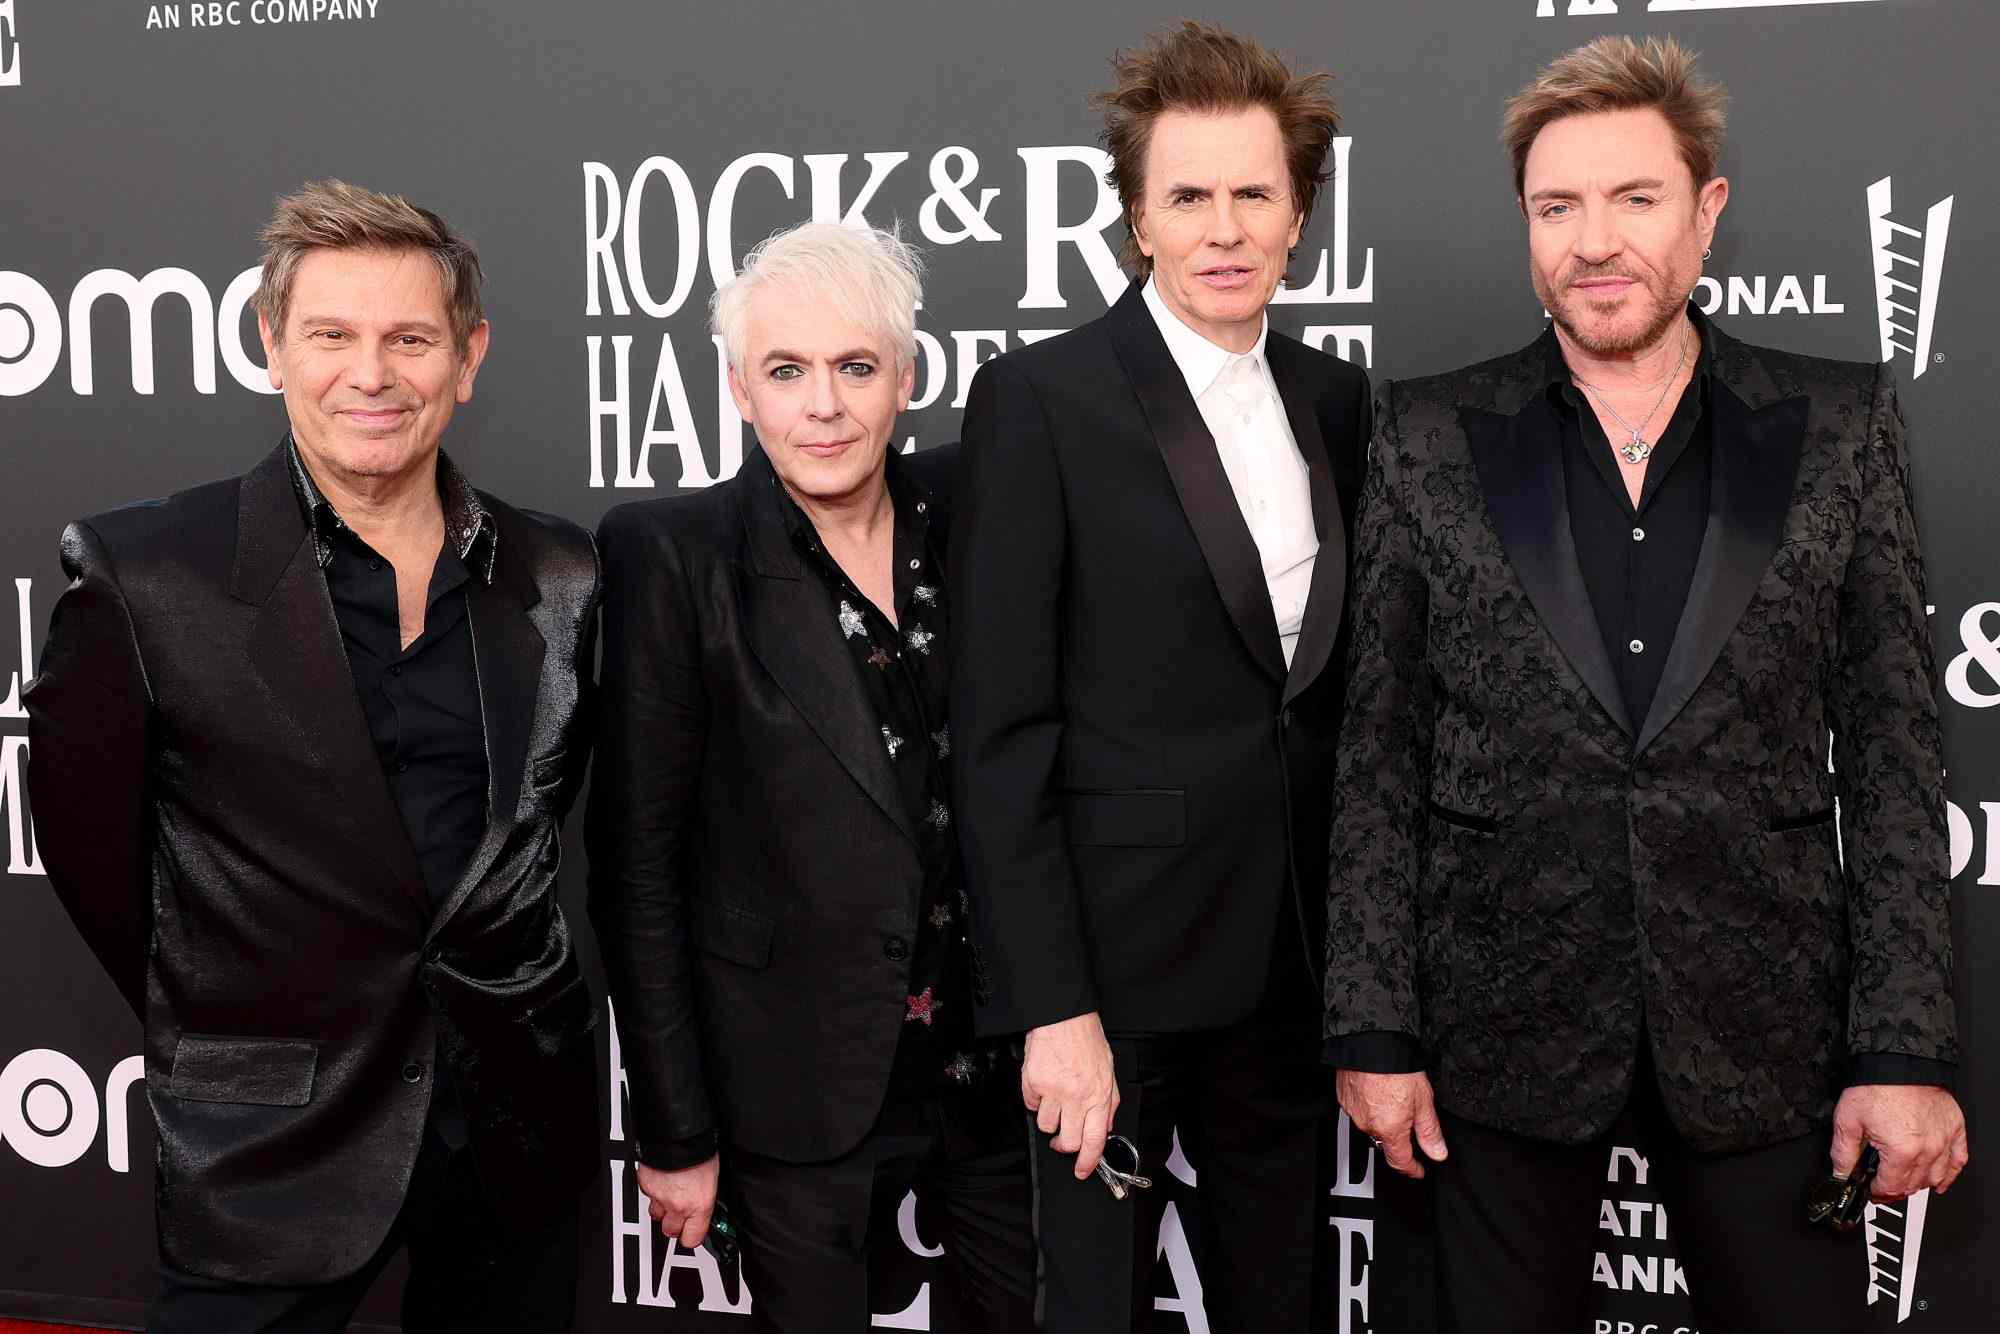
(1239, 400)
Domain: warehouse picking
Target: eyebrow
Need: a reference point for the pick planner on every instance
(1183, 187)
(404, 326)
(1636, 183)
(851, 354)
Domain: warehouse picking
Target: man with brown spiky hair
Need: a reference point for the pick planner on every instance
(303, 743)
(1151, 544)
(1615, 595)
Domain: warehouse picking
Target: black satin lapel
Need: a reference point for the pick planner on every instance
(507, 652)
(1519, 459)
(295, 651)
(795, 636)
(1755, 466)
(1325, 599)
(1203, 487)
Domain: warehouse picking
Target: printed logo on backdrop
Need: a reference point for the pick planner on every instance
(32, 329)
(655, 247)
(209, 14)
(1548, 9)
(10, 47)
(1909, 270)
(1895, 1237)
(51, 1110)
(22, 855)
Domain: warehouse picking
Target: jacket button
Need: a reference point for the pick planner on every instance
(413, 1073)
(1285, 718)
(433, 954)
(896, 948)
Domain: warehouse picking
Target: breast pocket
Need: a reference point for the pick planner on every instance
(267, 1072)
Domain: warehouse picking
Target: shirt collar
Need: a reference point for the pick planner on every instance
(469, 527)
(1562, 389)
(1200, 361)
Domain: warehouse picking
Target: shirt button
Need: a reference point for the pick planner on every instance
(922, 507)
(1637, 646)
(403, 766)
(1638, 534)
(896, 948)
(413, 1073)
(916, 564)
(375, 564)
(396, 671)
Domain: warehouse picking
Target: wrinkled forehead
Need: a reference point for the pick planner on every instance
(1601, 151)
(1209, 148)
(380, 283)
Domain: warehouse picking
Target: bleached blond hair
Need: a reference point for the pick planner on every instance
(872, 277)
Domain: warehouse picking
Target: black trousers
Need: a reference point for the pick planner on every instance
(469, 1274)
(1517, 1228)
(1249, 1102)
(813, 1232)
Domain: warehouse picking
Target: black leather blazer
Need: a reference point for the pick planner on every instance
(214, 818)
(1140, 780)
(754, 877)
(1523, 875)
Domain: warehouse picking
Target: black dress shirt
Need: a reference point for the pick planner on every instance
(901, 669)
(1637, 563)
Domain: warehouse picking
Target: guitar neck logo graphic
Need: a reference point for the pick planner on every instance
(10, 48)
(1895, 1241)
(1909, 264)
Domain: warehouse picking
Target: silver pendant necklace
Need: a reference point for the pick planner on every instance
(1637, 449)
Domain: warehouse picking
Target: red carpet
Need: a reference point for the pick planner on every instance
(23, 1327)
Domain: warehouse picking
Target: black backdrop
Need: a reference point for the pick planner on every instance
(612, 158)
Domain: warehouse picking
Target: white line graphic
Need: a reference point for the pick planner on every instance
(1888, 1274)
(1894, 288)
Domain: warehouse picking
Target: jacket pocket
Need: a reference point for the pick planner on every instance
(1127, 818)
(1482, 824)
(548, 770)
(1781, 824)
(270, 1072)
(732, 933)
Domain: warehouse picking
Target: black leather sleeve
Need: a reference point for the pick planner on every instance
(653, 722)
(89, 710)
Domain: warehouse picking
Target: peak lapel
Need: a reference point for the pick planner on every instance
(1327, 596)
(1196, 469)
(1755, 466)
(1519, 461)
(793, 633)
(295, 652)
(507, 653)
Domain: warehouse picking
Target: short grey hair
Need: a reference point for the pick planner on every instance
(873, 277)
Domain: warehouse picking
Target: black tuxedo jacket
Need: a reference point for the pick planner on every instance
(213, 815)
(754, 875)
(1141, 783)
(1523, 875)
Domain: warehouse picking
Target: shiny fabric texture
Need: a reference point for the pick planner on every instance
(214, 818)
(1522, 875)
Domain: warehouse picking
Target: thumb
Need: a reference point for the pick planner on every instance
(1846, 1149)
(1430, 1130)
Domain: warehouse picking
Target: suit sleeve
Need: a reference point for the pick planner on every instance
(1009, 547)
(654, 721)
(1887, 749)
(89, 711)
(1380, 773)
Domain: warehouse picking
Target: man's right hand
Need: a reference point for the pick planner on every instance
(1387, 1109)
(682, 1200)
(1068, 1083)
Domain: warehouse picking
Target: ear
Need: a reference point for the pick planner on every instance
(906, 384)
(274, 369)
(1709, 203)
(739, 392)
(1292, 237)
(475, 352)
(1137, 221)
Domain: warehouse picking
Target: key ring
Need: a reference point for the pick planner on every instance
(1120, 1183)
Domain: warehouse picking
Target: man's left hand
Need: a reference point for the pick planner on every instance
(1917, 1128)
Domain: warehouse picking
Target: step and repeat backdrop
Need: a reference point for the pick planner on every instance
(615, 160)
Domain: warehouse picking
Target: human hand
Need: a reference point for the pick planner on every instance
(682, 1200)
(1068, 1082)
(1389, 1109)
(1917, 1128)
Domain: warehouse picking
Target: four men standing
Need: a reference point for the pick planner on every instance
(875, 851)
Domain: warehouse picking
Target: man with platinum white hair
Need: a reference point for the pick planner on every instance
(774, 865)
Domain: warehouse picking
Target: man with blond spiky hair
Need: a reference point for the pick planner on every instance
(1616, 596)
(303, 742)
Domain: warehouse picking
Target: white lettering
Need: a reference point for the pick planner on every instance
(823, 169)
(1357, 1248)
(31, 334)
(1186, 1298)
(139, 296)
(689, 249)
(722, 208)
(1962, 840)
(23, 856)
(11, 706)
(1346, 1184)
(48, 1108)
(1341, 290)
(1046, 236)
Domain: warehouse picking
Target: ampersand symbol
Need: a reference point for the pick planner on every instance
(952, 169)
(1981, 649)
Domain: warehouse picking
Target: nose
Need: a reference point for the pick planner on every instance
(825, 404)
(1225, 228)
(368, 368)
(1598, 239)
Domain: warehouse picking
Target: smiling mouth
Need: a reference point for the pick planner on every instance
(1226, 275)
(825, 448)
(373, 416)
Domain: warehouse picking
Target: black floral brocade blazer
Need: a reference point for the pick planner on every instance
(1526, 880)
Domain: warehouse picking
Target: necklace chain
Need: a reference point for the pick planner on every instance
(1637, 449)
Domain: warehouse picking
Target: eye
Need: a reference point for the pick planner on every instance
(859, 370)
(1182, 198)
(1555, 212)
(1641, 200)
(786, 372)
(329, 335)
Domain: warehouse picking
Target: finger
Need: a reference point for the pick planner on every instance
(1430, 1131)
(1900, 1174)
(1397, 1153)
(694, 1229)
(1096, 1125)
(1846, 1149)
(655, 1208)
(1954, 1164)
(1069, 1136)
(1031, 1097)
(1048, 1115)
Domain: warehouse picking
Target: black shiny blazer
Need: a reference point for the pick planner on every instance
(213, 816)
(754, 876)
